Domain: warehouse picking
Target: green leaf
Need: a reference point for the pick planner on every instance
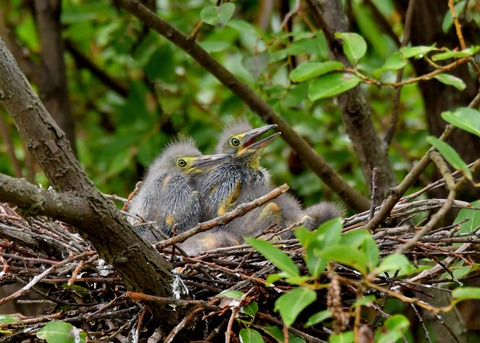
(465, 118)
(310, 243)
(416, 51)
(465, 293)
(394, 62)
(274, 277)
(331, 84)
(328, 233)
(354, 46)
(281, 260)
(61, 332)
(450, 155)
(456, 54)
(354, 238)
(451, 81)
(250, 309)
(318, 318)
(232, 294)
(248, 335)
(344, 337)
(369, 246)
(277, 333)
(393, 329)
(362, 239)
(218, 15)
(394, 262)
(214, 46)
(346, 255)
(461, 272)
(293, 302)
(6, 319)
(310, 70)
(473, 218)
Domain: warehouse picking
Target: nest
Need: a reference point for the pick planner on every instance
(49, 262)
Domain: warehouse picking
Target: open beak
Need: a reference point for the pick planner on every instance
(251, 136)
(251, 142)
(206, 161)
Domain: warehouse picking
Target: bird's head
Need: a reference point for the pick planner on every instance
(242, 141)
(183, 156)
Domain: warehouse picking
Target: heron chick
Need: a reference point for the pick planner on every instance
(167, 197)
(220, 187)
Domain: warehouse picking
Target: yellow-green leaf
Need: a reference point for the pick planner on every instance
(465, 118)
(450, 155)
(293, 302)
(331, 84)
(276, 256)
(354, 46)
(451, 81)
(307, 71)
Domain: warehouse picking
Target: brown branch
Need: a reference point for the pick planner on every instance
(396, 96)
(356, 111)
(347, 193)
(458, 27)
(397, 192)
(442, 211)
(141, 267)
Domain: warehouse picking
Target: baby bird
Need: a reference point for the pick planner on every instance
(167, 196)
(221, 186)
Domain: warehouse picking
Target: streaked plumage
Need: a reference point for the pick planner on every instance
(167, 196)
(273, 216)
(221, 186)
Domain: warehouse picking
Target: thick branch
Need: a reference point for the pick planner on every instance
(37, 201)
(350, 195)
(356, 112)
(140, 265)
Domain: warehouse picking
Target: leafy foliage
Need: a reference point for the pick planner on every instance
(143, 91)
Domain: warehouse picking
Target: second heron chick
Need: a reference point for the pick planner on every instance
(167, 197)
(221, 186)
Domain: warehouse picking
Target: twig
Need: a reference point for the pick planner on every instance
(37, 278)
(240, 210)
(396, 96)
(374, 192)
(458, 27)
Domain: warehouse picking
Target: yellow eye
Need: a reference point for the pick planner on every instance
(181, 163)
(234, 142)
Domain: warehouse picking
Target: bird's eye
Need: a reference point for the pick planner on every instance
(235, 142)
(181, 163)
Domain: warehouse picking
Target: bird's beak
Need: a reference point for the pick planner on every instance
(207, 161)
(250, 138)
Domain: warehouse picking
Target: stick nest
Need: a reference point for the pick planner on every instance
(48, 261)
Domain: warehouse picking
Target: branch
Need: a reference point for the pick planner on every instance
(350, 195)
(356, 112)
(139, 264)
(397, 192)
